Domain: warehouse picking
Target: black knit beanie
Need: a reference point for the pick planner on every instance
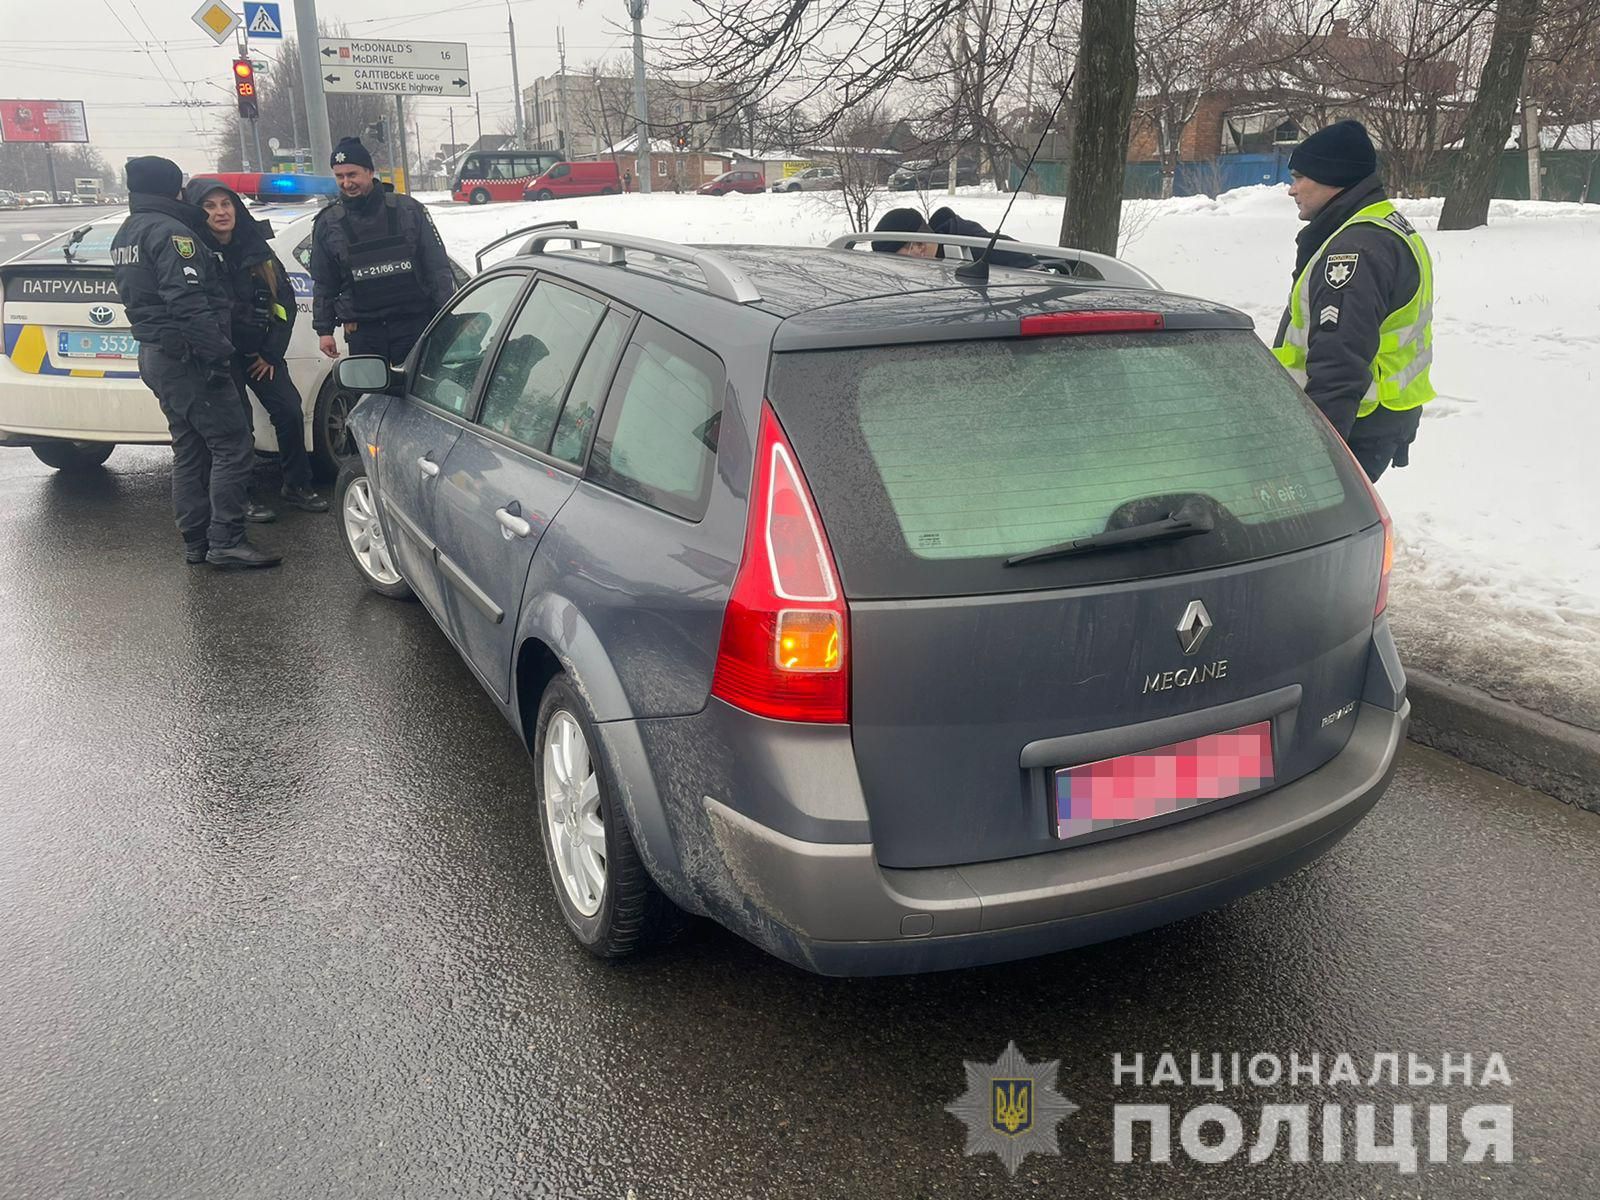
(1340, 155)
(350, 153)
(898, 220)
(154, 176)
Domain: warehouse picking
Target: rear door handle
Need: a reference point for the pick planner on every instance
(429, 467)
(512, 523)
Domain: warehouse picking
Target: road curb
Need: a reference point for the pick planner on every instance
(1526, 747)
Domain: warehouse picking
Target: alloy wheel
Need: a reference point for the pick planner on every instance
(573, 819)
(365, 533)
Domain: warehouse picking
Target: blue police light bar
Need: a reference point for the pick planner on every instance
(288, 187)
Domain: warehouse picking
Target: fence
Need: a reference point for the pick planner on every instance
(1570, 175)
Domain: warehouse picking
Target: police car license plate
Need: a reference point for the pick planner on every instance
(91, 343)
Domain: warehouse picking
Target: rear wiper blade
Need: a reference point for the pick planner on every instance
(1186, 520)
(72, 243)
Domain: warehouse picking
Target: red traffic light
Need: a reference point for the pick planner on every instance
(244, 87)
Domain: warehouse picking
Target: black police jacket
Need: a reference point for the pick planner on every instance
(947, 222)
(169, 282)
(423, 292)
(261, 295)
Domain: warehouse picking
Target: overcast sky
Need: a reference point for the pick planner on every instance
(127, 58)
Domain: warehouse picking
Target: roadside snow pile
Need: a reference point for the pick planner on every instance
(1498, 581)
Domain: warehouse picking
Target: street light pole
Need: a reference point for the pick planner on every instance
(641, 97)
(516, 79)
(306, 34)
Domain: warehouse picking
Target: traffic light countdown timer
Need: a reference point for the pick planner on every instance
(244, 87)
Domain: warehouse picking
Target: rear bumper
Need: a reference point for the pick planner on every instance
(845, 915)
(78, 408)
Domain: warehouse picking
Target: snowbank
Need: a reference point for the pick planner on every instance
(1499, 569)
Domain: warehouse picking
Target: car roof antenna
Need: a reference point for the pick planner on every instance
(977, 271)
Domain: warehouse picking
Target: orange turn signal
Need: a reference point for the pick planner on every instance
(809, 640)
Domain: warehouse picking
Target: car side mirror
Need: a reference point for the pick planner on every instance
(365, 373)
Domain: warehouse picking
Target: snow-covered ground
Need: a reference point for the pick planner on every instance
(1498, 515)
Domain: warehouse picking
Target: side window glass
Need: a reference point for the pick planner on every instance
(589, 388)
(472, 167)
(454, 349)
(302, 254)
(658, 439)
(523, 397)
(560, 171)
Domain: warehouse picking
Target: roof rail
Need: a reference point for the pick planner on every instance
(722, 277)
(1112, 270)
(516, 233)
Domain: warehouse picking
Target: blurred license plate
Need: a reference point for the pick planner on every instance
(1154, 783)
(91, 343)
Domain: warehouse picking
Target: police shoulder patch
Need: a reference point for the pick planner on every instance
(1340, 269)
(1398, 221)
(183, 245)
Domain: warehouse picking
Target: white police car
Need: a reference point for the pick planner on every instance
(69, 376)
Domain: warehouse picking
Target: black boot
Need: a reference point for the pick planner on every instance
(194, 553)
(260, 514)
(304, 499)
(242, 554)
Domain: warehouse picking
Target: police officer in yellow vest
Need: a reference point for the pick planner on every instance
(1358, 332)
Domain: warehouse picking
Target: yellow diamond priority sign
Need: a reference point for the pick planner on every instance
(216, 19)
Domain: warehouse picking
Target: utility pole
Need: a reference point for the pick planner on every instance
(1530, 140)
(641, 98)
(306, 33)
(561, 93)
(255, 129)
(405, 160)
(516, 81)
(477, 106)
(244, 158)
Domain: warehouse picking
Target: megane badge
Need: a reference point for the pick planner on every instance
(100, 315)
(1193, 626)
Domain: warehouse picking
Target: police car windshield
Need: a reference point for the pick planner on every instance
(94, 249)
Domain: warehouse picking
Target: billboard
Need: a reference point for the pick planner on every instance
(43, 121)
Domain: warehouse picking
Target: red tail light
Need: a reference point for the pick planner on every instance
(1050, 324)
(1388, 529)
(785, 649)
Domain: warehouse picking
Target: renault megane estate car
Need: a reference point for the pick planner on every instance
(898, 621)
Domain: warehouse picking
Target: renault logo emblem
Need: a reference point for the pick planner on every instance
(100, 315)
(1193, 626)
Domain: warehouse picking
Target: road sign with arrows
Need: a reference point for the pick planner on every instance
(394, 68)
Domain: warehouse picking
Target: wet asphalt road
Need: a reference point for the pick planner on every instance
(274, 922)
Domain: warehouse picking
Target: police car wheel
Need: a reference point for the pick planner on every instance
(479, 196)
(73, 456)
(331, 444)
(356, 509)
(607, 898)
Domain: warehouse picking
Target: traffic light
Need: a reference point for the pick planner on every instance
(378, 132)
(244, 87)
(682, 138)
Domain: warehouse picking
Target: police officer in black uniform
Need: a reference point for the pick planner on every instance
(169, 284)
(377, 265)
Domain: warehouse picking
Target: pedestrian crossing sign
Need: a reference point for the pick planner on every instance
(261, 20)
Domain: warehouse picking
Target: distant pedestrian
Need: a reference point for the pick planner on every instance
(948, 223)
(378, 267)
(178, 308)
(1358, 332)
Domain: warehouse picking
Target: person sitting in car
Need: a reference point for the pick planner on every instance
(946, 222)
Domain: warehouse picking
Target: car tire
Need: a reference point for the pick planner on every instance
(331, 444)
(479, 196)
(610, 191)
(73, 456)
(355, 507)
(544, 194)
(629, 913)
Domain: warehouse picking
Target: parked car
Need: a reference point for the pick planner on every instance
(741, 180)
(923, 174)
(10, 200)
(894, 621)
(34, 198)
(575, 179)
(812, 179)
(69, 376)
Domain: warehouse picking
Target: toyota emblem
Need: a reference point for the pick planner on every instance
(100, 314)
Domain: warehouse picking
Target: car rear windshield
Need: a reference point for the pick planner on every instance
(933, 463)
(93, 248)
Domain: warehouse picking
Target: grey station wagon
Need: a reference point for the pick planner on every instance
(897, 622)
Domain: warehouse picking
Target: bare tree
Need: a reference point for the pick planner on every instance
(1103, 92)
(1466, 203)
(1564, 79)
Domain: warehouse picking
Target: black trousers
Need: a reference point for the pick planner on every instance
(1383, 438)
(212, 450)
(281, 399)
(392, 338)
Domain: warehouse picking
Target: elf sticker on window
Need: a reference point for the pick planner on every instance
(1340, 269)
